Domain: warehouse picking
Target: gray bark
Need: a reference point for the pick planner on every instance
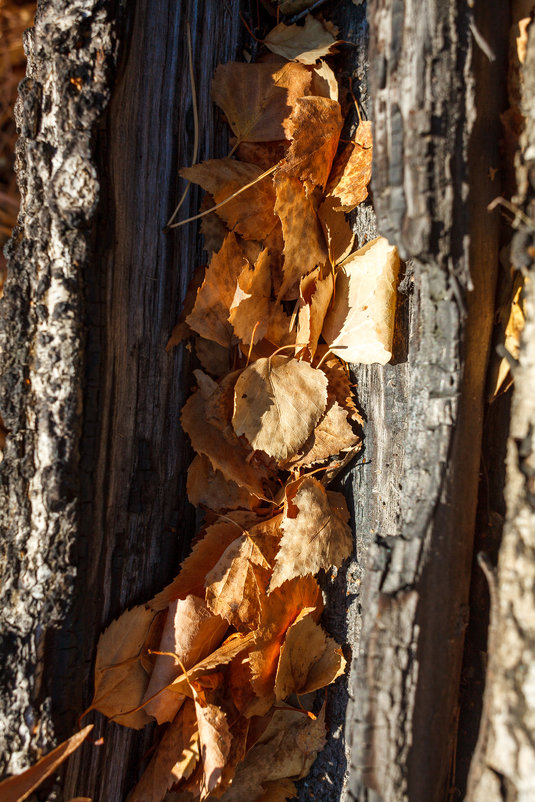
(93, 505)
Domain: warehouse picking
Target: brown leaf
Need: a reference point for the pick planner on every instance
(191, 632)
(204, 555)
(309, 659)
(304, 243)
(287, 749)
(226, 453)
(277, 791)
(280, 608)
(215, 740)
(306, 43)
(352, 171)
(339, 388)
(332, 435)
(214, 358)
(122, 668)
(234, 645)
(315, 126)
(360, 325)
(236, 585)
(263, 154)
(209, 488)
(251, 212)
(278, 402)
(20, 786)
(338, 233)
(257, 99)
(253, 314)
(209, 316)
(314, 536)
(175, 758)
(315, 293)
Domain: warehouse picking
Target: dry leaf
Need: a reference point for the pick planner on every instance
(352, 171)
(209, 488)
(175, 758)
(214, 358)
(215, 739)
(287, 749)
(280, 608)
(277, 403)
(360, 325)
(204, 555)
(324, 83)
(512, 319)
(304, 243)
(277, 791)
(257, 99)
(236, 584)
(305, 44)
(213, 228)
(251, 212)
(209, 316)
(339, 388)
(315, 293)
(20, 786)
(122, 666)
(191, 632)
(315, 126)
(253, 314)
(230, 456)
(332, 435)
(338, 233)
(314, 536)
(235, 645)
(263, 154)
(309, 659)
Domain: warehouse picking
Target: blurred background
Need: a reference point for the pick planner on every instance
(15, 17)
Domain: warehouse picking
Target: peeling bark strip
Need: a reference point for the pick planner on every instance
(70, 54)
(433, 118)
(503, 769)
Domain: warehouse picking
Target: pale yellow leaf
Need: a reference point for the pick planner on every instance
(305, 44)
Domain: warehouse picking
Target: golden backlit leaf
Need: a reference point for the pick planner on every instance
(309, 658)
(305, 44)
(251, 212)
(257, 99)
(209, 316)
(277, 403)
(215, 741)
(191, 632)
(20, 786)
(225, 452)
(352, 171)
(263, 154)
(315, 293)
(304, 243)
(314, 536)
(121, 673)
(280, 608)
(234, 645)
(175, 758)
(338, 233)
(315, 126)
(360, 325)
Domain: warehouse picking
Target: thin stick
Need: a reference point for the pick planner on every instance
(195, 125)
(518, 213)
(251, 346)
(230, 197)
(323, 358)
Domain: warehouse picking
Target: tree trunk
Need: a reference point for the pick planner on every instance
(93, 506)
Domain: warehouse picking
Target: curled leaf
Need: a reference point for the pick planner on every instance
(352, 171)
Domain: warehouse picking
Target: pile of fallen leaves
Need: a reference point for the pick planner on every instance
(229, 656)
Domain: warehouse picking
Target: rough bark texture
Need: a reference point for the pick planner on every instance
(436, 134)
(503, 768)
(93, 498)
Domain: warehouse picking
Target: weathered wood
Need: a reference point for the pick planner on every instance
(503, 767)
(436, 134)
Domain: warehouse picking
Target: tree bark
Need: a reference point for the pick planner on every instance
(93, 502)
